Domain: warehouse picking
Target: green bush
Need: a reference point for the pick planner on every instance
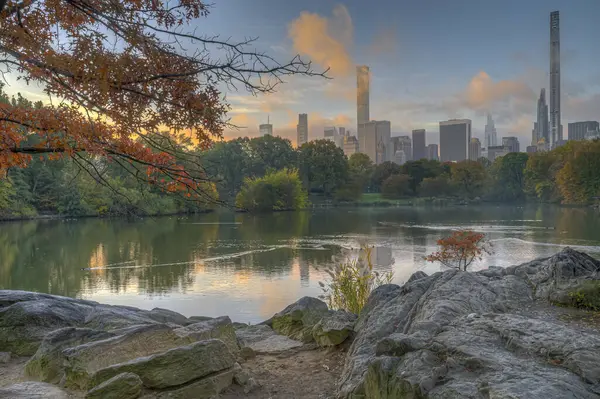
(396, 187)
(352, 282)
(587, 296)
(276, 191)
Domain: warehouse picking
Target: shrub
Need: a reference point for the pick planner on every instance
(435, 187)
(352, 281)
(587, 296)
(395, 187)
(460, 249)
(276, 191)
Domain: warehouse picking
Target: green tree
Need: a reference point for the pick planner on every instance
(579, 178)
(382, 172)
(270, 153)
(419, 170)
(435, 187)
(508, 173)
(323, 166)
(539, 175)
(396, 187)
(228, 163)
(276, 191)
(470, 177)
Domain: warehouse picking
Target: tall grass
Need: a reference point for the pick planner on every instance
(352, 281)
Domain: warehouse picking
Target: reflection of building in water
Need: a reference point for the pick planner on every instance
(304, 272)
(382, 256)
(420, 249)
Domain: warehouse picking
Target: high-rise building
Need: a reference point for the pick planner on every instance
(555, 124)
(531, 149)
(455, 137)
(511, 144)
(350, 145)
(579, 130)
(541, 128)
(474, 149)
(496, 152)
(418, 138)
(491, 138)
(302, 129)
(404, 144)
(432, 152)
(399, 157)
(330, 132)
(362, 94)
(342, 131)
(374, 140)
(266, 129)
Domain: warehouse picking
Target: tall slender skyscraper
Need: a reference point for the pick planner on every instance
(541, 129)
(302, 129)
(555, 124)
(491, 138)
(419, 146)
(362, 94)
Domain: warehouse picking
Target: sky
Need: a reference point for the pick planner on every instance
(430, 60)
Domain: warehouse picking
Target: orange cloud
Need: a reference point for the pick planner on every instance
(482, 92)
(325, 41)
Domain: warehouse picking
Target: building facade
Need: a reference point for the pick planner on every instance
(541, 128)
(555, 124)
(455, 137)
(350, 145)
(374, 140)
(399, 157)
(491, 136)
(433, 152)
(496, 152)
(511, 144)
(418, 142)
(474, 149)
(362, 94)
(404, 144)
(531, 149)
(302, 129)
(265, 129)
(579, 130)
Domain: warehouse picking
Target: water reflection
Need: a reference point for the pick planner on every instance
(251, 266)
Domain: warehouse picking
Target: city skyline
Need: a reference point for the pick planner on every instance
(412, 87)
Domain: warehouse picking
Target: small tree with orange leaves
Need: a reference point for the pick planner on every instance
(460, 249)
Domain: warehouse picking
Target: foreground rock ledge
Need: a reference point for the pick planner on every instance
(489, 334)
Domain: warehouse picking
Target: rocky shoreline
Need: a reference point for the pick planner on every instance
(496, 333)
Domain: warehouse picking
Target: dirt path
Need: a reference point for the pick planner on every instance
(306, 375)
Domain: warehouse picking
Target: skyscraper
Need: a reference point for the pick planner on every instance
(432, 152)
(362, 94)
(579, 130)
(555, 125)
(350, 145)
(418, 138)
(302, 129)
(266, 129)
(455, 137)
(374, 140)
(511, 144)
(404, 144)
(541, 128)
(474, 149)
(490, 133)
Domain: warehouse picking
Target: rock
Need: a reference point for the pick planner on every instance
(220, 328)
(240, 376)
(247, 353)
(470, 335)
(168, 316)
(4, 357)
(122, 386)
(262, 340)
(298, 319)
(334, 328)
(416, 276)
(82, 361)
(205, 388)
(196, 319)
(47, 363)
(251, 334)
(32, 390)
(174, 367)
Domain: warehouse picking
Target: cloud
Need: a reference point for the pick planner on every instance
(383, 44)
(325, 41)
(482, 93)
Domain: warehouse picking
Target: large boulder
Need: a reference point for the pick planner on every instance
(334, 328)
(220, 328)
(32, 390)
(205, 388)
(298, 319)
(122, 386)
(173, 367)
(262, 340)
(471, 335)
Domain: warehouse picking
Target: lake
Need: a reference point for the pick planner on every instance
(249, 267)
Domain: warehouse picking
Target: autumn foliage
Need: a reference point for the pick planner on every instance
(116, 72)
(459, 250)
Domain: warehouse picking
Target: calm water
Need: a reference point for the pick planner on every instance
(250, 267)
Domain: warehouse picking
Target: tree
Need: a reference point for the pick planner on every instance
(509, 178)
(118, 71)
(419, 170)
(539, 175)
(382, 172)
(485, 162)
(459, 250)
(396, 187)
(276, 191)
(579, 179)
(469, 176)
(270, 153)
(435, 186)
(323, 166)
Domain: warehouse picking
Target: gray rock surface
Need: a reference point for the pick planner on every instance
(5, 357)
(334, 328)
(32, 390)
(298, 319)
(262, 340)
(26, 317)
(476, 335)
(174, 367)
(219, 328)
(205, 388)
(122, 386)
